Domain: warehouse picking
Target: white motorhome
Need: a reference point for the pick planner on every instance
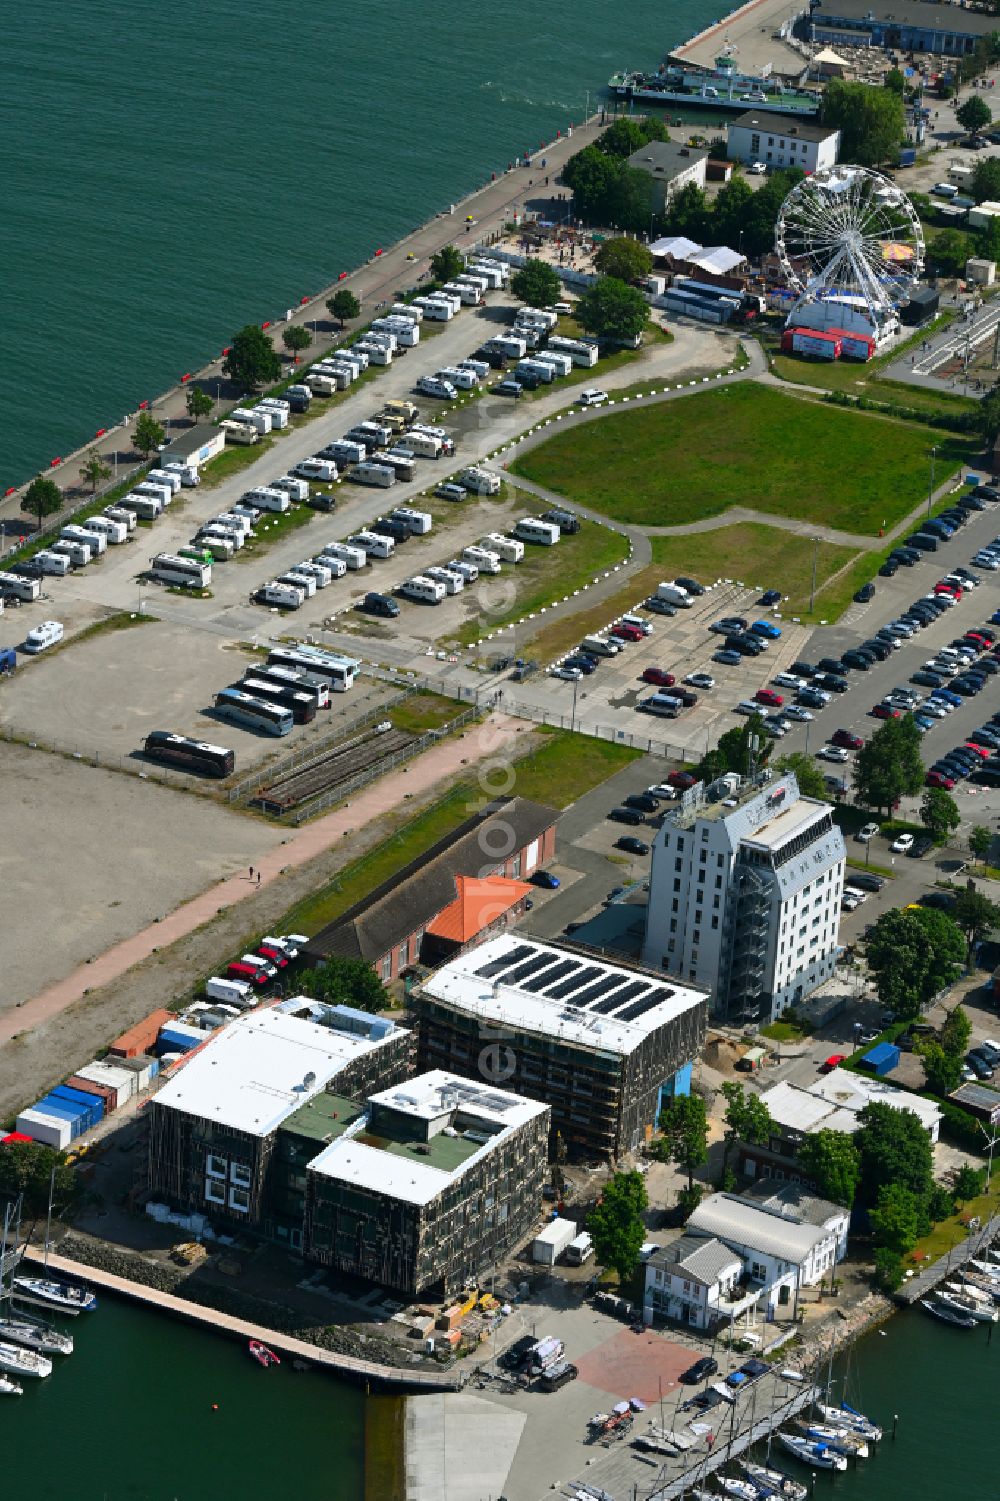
(382, 475)
(384, 337)
(78, 553)
(188, 473)
(429, 385)
(374, 544)
(27, 589)
(437, 312)
(507, 548)
(115, 531)
(55, 563)
(531, 529)
(464, 380)
(486, 266)
(462, 566)
(407, 310)
(145, 507)
(426, 590)
(321, 572)
(233, 521)
(472, 279)
(268, 498)
(378, 432)
(42, 636)
(453, 582)
(285, 596)
(542, 315)
(560, 361)
(377, 355)
(239, 432)
(163, 493)
(511, 346)
(260, 421)
(404, 330)
(401, 462)
(419, 522)
(353, 557)
(467, 295)
(480, 481)
(213, 533)
(280, 415)
(165, 477)
(321, 469)
(535, 369)
(293, 486)
(304, 581)
(491, 275)
(324, 384)
(451, 299)
(424, 445)
(96, 541)
(354, 356)
(115, 513)
(584, 355)
(345, 452)
(486, 562)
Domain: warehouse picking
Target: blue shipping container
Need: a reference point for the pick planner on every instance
(170, 1041)
(92, 1103)
(74, 1114)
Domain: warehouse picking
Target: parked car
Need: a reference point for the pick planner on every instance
(867, 833)
(832, 753)
(864, 594)
(545, 879)
(631, 845)
(659, 676)
(847, 739)
(700, 680)
(901, 844)
(700, 1371)
(626, 815)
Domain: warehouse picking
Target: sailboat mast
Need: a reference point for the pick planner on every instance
(48, 1218)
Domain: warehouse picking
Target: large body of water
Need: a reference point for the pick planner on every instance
(172, 173)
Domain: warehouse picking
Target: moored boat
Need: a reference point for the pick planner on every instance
(811, 1452)
(262, 1354)
(10, 1388)
(17, 1361)
(840, 1440)
(947, 1315)
(36, 1336)
(847, 1417)
(774, 1482)
(44, 1293)
(982, 1312)
(743, 1490)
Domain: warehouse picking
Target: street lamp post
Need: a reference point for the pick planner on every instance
(930, 493)
(812, 589)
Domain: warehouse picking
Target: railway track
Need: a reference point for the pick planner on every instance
(339, 764)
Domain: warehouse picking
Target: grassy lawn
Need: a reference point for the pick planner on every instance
(545, 575)
(782, 1032)
(561, 769)
(273, 527)
(954, 1230)
(423, 711)
(761, 556)
(232, 460)
(749, 445)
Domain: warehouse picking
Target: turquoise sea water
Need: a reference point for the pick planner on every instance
(173, 172)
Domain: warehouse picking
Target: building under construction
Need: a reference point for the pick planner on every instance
(214, 1128)
(602, 1044)
(436, 1182)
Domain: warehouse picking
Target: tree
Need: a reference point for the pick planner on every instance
(899, 1219)
(939, 813)
(629, 133)
(537, 284)
(942, 1070)
(688, 212)
(941, 1203)
(946, 948)
(613, 310)
(949, 251)
(616, 1225)
(969, 1182)
(830, 1160)
(980, 839)
(94, 471)
(747, 1119)
(974, 115)
(893, 1148)
(912, 954)
(624, 258)
(251, 361)
(26, 1168)
(871, 121)
(149, 434)
(975, 914)
(989, 415)
(956, 1032)
(343, 305)
(986, 179)
(733, 208)
(739, 749)
(352, 981)
(42, 497)
(446, 263)
(199, 403)
(688, 1200)
(895, 81)
(684, 1124)
(296, 338)
(811, 780)
(888, 1270)
(888, 766)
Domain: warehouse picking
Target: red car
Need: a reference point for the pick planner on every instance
(273, 955)
(938, 779)
(627, 632)
(885, 711)
(834, 1061)
(951, 589)
(241, 971)
(978, 639)
(682, 780)
(660, 676)
(847, 740)
(769, 697)
(978, 750)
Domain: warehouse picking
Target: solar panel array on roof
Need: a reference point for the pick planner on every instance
(643, 1004)
(624, 993)
(601, 987)
(533, 966)
(580, 977)
(542, 982)
(497, 966)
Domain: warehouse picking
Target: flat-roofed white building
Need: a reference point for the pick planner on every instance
(779, 1253)
(437, 1180)
(213, 1126)
(602, 1043)
(745, 890)
(781, 141)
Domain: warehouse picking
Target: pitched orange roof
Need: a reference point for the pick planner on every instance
(479, 903)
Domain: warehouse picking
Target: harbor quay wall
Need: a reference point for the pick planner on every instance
(372, 1374)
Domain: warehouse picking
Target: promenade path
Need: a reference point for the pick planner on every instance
(451, 759)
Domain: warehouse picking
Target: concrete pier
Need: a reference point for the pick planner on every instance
(366, 1372)
(741, 1441)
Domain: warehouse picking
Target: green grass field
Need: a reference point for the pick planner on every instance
(744, 445)
(765, 556)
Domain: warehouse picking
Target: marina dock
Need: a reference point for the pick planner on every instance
(370, 1373)
(722, 1453)
(927, 1280)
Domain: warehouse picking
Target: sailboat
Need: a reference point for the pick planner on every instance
(971, 1307)
(846, 1417)
(10, 1388)
(17, 1361)
(774, 1482)
(743, 1490)
(840, 1440)
(45, 1293)
(36, 1336)
(811, 1452)
(947, 1315)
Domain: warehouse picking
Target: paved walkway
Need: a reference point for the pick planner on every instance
(450, 759)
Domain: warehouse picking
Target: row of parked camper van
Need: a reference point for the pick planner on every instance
(541, 356)
(291, 589)
(382, 449)
(432, 585)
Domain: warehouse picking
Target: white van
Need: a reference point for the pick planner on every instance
(486, 562)
(426, 590)
(55, 563)
(40, 637)
(674, 595)
(96, 541)
(598, 646)
(233, 992)
(374, 544)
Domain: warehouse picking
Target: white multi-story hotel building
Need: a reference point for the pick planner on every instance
(745, 893)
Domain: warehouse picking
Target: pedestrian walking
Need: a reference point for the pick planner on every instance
(258, 878)
(251, 872)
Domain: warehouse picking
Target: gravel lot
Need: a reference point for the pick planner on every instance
(108, 854)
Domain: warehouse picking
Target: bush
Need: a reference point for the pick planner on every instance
(969, 1182)
(888, 1270)
(940, 1205)
(956, 422)
(962, 1130)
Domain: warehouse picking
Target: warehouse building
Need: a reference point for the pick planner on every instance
(603, 1044)
(214, 1128)
(432, 1185)
(467, 887)
(901, 25)
(745, 892)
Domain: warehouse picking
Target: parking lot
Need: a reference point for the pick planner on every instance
(104, 697)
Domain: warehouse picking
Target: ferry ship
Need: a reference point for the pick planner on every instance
(722, 87)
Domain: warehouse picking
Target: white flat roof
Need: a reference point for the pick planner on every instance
(398, 1175)
(519, 983)
(834, 1102)
(260, 1068)
(786, 824)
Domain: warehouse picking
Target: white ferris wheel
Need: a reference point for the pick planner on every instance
(849, 234)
